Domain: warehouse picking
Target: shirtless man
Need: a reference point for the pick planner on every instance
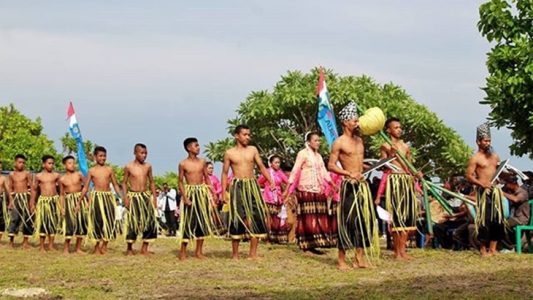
(356, 214)
(102, 201)
(21, 212)
(490, 223)
(5, 199)
(140, 200)
(73, 208)
(48, 215)
(401, 202)
(248, 211)
(197, 198)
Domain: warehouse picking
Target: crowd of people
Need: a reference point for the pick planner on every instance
(314, 203)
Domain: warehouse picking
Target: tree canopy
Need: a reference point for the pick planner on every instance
(280, 118)
(22, 135)
(508, 25)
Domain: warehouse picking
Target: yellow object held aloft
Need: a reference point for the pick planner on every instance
(372, 121)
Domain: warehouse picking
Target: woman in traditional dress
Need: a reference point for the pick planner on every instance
(309, 177)
(278, 231)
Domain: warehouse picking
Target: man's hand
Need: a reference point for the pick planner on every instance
(10, 206)
(487, 186)
(126, 201)
(225, 198)
(187, 201)
(334, 188)
(356, 176)
(154, 201)
(377, 202)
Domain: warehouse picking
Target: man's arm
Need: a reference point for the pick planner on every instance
(9, 198)
(85, 188)
(263, 169)
(518, 197)
(33, 192)
(61, 197)
(181, 184)
(383, 151)
(152, 186)
(224, 177)
(114, 181)
(125, 186)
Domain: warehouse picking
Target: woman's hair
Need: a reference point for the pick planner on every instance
(272, 157)
(310, 135)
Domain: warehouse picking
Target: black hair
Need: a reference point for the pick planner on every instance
(20, 156)
(209, 163)
(309, 135)
(139, 145)
(286, 167)
(240, 128)
(47, 157)
(390, 120)
(529, 175)
(189, 141)
(67, 158)
(511, 179)
(272, 157)
(98, 149)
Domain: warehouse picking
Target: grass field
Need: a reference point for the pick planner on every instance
(283, 272)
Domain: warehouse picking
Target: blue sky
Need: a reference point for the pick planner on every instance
(159, 71)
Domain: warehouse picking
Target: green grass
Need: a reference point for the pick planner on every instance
(284, 272)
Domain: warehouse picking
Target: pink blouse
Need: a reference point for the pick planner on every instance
(309, 173)
(273, 197)
(330, 192)
(216, 186)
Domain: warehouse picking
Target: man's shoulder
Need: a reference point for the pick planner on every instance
(251, 149)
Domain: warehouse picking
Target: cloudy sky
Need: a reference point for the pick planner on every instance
(141, 72)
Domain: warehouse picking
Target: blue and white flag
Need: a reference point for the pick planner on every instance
(326, 117)
(76, 134)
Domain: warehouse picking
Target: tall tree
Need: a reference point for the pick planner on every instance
(280, 118)
(508, 25)
(70, 147)
(20, 134)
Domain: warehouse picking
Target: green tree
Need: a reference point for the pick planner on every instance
(280, 118)
(70, 147)
(509, 86)
(171, 178)
(20, 134)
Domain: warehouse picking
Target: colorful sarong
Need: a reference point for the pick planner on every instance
(196, 220)
(401, 201)
(48, 216)
(278, 231)
(317, 227)
(21, 216)
(141, 218)
(75, 221)
(357, 218)
(101, 225)
(248, 213)
(490, 219)
(4, 216)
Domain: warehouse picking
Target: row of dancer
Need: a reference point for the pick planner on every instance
(352, 227)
